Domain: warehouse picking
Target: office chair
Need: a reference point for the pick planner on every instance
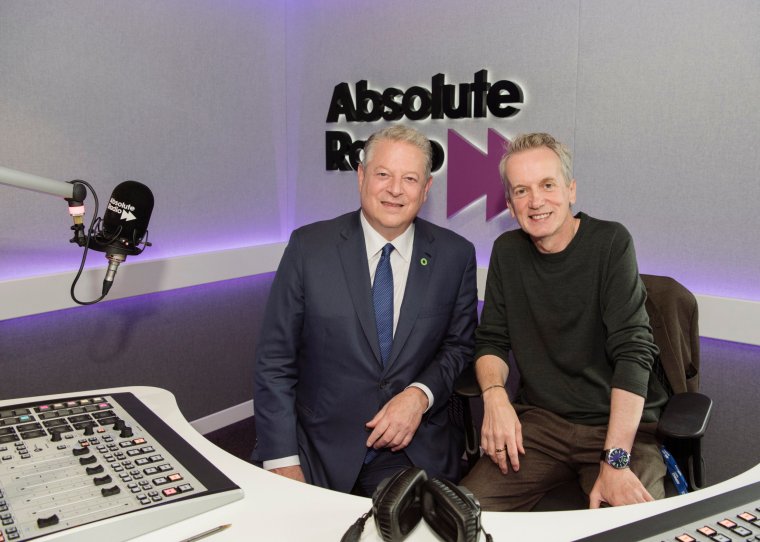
(673, 316)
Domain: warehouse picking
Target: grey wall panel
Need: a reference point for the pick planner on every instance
(666, 139)
(186, 96)
(730, 377)
(196, 342)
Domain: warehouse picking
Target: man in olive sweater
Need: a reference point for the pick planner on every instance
(563, 294)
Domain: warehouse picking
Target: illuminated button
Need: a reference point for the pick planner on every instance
(733, 527)
(175, 477)
(169, 492)
(686, 538)
(750, 518)
(138, 441)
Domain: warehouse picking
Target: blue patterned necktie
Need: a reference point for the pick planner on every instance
(382, 299)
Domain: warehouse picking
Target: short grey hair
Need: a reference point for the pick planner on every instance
(405, 134)
(524, 142)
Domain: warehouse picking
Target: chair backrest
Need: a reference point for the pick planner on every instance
(674, 317)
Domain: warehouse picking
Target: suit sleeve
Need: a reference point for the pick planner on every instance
(276, 369)
(457, 347)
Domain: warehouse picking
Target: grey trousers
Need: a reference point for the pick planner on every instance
(557, 451)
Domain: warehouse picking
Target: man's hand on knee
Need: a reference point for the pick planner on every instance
(395, 424)
(501, 435)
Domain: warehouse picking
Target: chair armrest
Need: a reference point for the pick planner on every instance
(685, 416)
(466, 385)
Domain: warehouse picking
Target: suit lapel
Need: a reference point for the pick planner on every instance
(420, 269)
(353, 258)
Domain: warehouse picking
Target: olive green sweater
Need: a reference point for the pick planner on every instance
(575, 322)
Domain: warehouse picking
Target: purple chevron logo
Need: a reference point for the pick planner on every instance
(472, 174)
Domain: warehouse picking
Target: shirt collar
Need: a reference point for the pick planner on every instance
(403, 244)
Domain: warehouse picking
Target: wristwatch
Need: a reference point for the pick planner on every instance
(617, 458)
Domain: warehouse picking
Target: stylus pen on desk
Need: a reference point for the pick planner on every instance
(204, 534)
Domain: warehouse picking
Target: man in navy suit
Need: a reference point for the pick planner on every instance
(341, 401)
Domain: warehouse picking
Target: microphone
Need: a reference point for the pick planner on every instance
(124, 226)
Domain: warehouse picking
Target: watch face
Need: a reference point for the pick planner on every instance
(618, 458)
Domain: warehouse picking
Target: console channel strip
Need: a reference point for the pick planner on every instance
(733, 516)
(103, 461)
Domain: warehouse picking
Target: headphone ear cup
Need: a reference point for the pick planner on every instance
(451, 511)
(396, 504)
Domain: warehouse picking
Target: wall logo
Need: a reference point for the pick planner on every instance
(471, 174)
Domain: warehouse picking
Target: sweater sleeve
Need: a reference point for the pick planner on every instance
(630, 344)
(492, 335)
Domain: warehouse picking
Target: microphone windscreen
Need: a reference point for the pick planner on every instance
(127, 215)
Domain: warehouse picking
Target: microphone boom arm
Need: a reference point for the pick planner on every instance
(70, 191)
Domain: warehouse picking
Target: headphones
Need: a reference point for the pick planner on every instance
(400, 501)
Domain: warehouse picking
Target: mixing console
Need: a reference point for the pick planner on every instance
(107, 462)
(730, 517)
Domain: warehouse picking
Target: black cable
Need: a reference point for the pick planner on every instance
(86, 249)
(354, 532)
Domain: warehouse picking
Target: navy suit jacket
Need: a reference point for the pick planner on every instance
(319, 377)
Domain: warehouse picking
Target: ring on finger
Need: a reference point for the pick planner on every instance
(499, 450)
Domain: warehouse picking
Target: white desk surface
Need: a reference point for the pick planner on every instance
(278, 509)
